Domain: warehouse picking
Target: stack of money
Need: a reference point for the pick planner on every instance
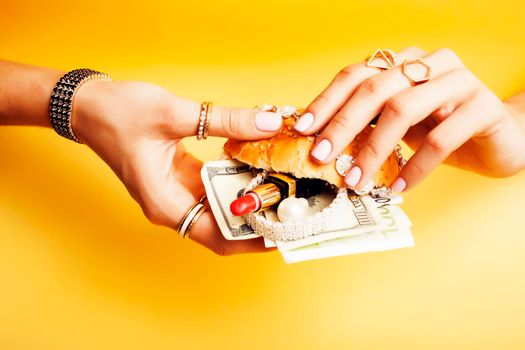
(386, 228)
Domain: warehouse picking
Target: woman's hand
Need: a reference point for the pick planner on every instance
(452, 118)
(136, 128)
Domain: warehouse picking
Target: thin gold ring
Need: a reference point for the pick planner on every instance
(208, 119)
(388, 57)
(413, 79)
(204, 121)
(191, 217)
(194, 220)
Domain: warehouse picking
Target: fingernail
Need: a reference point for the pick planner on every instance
(353, 176)
(268, 121)
(304, 122)
(399, 185)
(322, 150)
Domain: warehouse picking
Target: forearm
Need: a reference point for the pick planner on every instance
(24, 94)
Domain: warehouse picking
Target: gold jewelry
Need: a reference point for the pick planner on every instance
(386, 56)
(204, 120)
(191, 217)
(415, 80)
(195, 218)
(208, 118)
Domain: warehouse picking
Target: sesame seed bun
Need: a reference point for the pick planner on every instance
(289, 152)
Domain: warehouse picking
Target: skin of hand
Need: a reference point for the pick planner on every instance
(136, 128)
(452, 118)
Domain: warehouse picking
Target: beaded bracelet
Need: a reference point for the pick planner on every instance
(61, 102)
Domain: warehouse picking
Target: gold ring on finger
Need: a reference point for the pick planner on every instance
(416, 77)
(382, 59)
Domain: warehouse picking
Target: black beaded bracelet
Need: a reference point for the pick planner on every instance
(61, 102)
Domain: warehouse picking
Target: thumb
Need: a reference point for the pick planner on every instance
(243, 124)
(237, 123)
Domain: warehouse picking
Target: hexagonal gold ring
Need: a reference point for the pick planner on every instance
(415, 80)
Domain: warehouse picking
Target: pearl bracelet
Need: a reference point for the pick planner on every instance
(328, 219)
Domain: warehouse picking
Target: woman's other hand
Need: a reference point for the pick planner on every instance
(452, 118)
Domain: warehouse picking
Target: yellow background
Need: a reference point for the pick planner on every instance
(81, 268)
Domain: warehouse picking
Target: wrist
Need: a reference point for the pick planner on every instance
(88, 109)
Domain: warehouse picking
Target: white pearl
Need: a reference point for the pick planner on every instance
(293, 209)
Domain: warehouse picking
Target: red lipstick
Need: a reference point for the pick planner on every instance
(245, 204)
(275, 188)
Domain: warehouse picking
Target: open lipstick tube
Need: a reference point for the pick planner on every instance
(276, 187)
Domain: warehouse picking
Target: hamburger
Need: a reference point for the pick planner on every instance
(288, 152)
(281, 202)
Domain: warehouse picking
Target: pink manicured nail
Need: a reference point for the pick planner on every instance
(399, 185)
(268, 121)
(322, 150)
(304, 122)
(353, 176)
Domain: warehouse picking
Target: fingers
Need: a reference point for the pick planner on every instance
(165, 183)
(238, 123)
(165, 203)
(368, 100)
(466, 122)
(416, 134)
(334, 97)
(407, 109)
(244, 124)
(207, 233)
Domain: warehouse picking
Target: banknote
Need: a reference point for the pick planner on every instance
(391, 199)
(396, 234)
(360, 217)
(315, 204)
(223, 180)
(268, 243)
(321, 201)
(372, 224)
